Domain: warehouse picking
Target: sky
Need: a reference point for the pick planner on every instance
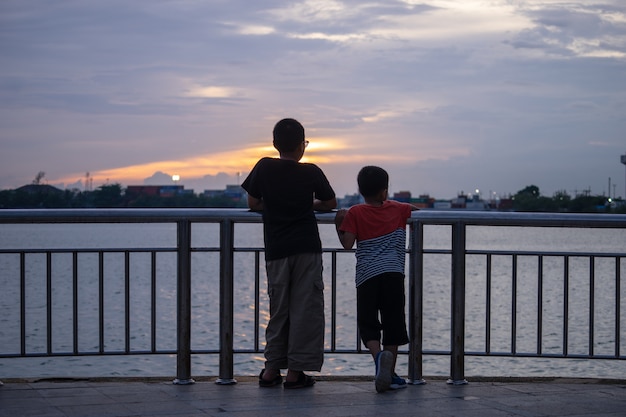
(448, 96)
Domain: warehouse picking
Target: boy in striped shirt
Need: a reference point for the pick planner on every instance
(378, 227)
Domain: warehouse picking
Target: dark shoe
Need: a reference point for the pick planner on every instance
(271, 383)
(304, 381)
(384, 373)
(397, 382)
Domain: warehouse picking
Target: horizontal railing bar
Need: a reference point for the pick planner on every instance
(514, 219)
(431, 217)
(253, 351)
(546, 253)
(94, 353)
(261, 249)
(125, 215)
(527, 253)
(543, 355)
(107, 250)
(336, 351)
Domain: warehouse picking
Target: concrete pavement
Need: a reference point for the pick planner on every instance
(330, 397)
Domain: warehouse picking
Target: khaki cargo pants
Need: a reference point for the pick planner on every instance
(295, 332)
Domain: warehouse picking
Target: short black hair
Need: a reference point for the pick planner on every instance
(372, 180)
(288, 135)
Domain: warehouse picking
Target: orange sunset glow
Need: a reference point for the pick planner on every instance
(320, 151)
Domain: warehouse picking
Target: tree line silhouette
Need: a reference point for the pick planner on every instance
(39, 195)
(529, 199)
(105, 196)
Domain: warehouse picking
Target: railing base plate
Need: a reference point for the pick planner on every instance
(183, 381)
(226, 381)
(416, 381)
(457, 382)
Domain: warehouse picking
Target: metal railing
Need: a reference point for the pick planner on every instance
(457, 252)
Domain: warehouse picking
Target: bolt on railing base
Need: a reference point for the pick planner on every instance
(183, 381)
(416, 381)
(226, 381)
(457, 382)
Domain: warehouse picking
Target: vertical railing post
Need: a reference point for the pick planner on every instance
(457, 356)
(226, 376)
(183, 304)
(416, 299)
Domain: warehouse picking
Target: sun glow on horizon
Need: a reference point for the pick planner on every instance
(319, 151)
(327, 152)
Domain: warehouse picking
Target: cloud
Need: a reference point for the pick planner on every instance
(447, 95)
(211, 92)
(575, 30)
(198, 184)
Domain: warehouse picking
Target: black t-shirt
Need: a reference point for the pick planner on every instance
(288, 189)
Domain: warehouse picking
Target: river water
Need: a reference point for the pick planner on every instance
(205, 305)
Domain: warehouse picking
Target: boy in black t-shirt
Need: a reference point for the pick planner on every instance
(287, 192)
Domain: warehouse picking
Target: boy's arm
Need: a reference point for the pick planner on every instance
(324, 205)
(255, 204)
(347, 239)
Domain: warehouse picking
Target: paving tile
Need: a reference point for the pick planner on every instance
(108, 410)
(31, 411)
(19, 394)
(92, 398)
(65, 391)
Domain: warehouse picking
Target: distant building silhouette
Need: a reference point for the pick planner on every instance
(155, 190)
(44, 189)
(233, 192)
